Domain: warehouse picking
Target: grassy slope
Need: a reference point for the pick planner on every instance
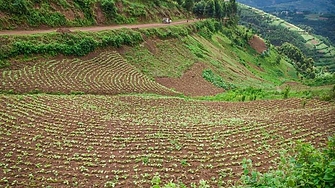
(326, 53)
(242, 67)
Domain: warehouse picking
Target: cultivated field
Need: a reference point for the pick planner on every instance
(124, 141)
(107, 73)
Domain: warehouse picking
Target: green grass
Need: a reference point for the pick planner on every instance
(251, 94)
(167, 58)
(235, 62)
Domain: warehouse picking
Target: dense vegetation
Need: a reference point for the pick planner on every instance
(218, 9)
(54, 13)
(37, 13)
(303, 65)
(217, 80)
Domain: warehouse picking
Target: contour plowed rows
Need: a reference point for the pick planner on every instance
(87, 141)
(107, 73)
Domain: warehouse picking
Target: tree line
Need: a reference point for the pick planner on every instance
(222, 10)
(304, 65)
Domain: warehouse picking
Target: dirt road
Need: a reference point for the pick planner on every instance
(93, 28)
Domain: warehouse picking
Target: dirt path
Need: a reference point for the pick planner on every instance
(93, 28)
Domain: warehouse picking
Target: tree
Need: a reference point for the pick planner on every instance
(218, 12)
(210, 9)
(233, 6)
(109, 8)
(189, 4)
(180, 2)
(278, 59)
(199, 9)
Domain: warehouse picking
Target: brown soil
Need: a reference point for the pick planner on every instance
(63, 30)
(191, 83)
(99, 17)
(258, 44)
(106, 73)
(87, 141)
(151, 45)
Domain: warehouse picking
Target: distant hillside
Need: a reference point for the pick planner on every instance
(325, 6)
(278, 31)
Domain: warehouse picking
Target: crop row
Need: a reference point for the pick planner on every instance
(107, 73)
(87, 140)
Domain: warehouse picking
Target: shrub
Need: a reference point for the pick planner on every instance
(4, 63)
(19, 7)
(309, 167)
(286, 92)
(109, 8)
(215, 79)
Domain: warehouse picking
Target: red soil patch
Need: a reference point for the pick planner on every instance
(258, 44)
(191, 83)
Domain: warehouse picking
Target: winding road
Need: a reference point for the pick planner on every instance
(92, 28)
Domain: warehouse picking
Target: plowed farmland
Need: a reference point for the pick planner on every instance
(107, 73)
(124, 141)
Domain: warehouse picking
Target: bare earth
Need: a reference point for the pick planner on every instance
(258, 44)
(93, 28)
(191, 83)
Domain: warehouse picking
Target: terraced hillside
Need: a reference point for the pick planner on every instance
(323, 54)
(107, 73)
(132, 141)
(323, 6)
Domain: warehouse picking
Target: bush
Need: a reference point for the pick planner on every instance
(210, 76)
(109, 8)
(309, 167)
(4, 63)
(286, 92)
(19, 7)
